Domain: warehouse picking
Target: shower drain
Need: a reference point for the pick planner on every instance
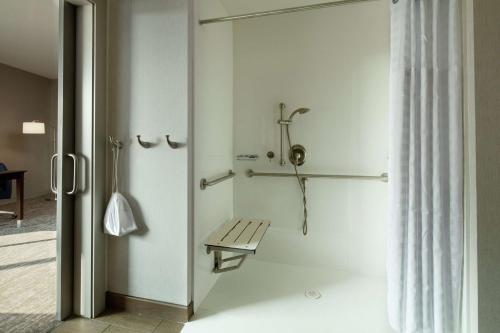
(312, 294)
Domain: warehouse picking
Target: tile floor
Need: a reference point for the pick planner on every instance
(119, 322)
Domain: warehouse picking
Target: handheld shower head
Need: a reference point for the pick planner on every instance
(300, 110)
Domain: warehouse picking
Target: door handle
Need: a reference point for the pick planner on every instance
(53, 186)
(74, 189)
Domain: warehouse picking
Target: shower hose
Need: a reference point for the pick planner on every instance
(302, 183)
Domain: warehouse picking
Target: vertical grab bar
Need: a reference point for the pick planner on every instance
(74, 190)
(53, 187)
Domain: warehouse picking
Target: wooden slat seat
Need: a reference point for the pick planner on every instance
(239, 235)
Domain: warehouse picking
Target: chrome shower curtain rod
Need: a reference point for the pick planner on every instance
(281, 11)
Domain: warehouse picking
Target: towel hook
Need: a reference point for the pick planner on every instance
(116, 143)
(172, 144)
(144, 144)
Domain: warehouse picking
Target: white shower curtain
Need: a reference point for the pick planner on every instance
(426, 181)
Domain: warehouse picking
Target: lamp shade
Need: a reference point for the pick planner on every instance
(33, 127)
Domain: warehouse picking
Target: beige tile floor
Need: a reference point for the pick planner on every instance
(119, 322)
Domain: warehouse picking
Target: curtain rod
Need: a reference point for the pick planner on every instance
(280, 11)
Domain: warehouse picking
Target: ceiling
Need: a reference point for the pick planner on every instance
(236, 7)
(29, 35)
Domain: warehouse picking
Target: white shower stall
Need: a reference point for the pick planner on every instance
(334, 61)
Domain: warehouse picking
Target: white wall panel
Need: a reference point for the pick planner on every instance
(213, 135)
(148, 95)
(336, 62)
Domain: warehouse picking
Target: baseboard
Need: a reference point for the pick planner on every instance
(157, 309)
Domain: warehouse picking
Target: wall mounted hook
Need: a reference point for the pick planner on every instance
(116, 143)
(144, 144)
(173, 144)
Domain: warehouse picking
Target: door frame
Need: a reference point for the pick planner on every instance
(92, 301)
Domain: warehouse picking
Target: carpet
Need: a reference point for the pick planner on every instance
(28, 269)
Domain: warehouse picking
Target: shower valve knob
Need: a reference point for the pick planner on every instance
(270, 155)
(297, 155)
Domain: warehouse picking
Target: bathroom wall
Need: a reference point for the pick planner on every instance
(148, 80)
(213, 133)
(25, 97)
(336, 62)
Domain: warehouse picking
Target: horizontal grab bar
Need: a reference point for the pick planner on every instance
(250, 173)
(204, 182)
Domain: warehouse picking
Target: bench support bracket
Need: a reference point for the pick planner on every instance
(219, 261)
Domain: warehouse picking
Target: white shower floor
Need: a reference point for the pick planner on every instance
(269, 298)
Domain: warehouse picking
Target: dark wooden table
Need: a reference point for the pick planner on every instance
(18, 176)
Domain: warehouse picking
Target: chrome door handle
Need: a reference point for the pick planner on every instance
(74, 190)
(53, 187)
